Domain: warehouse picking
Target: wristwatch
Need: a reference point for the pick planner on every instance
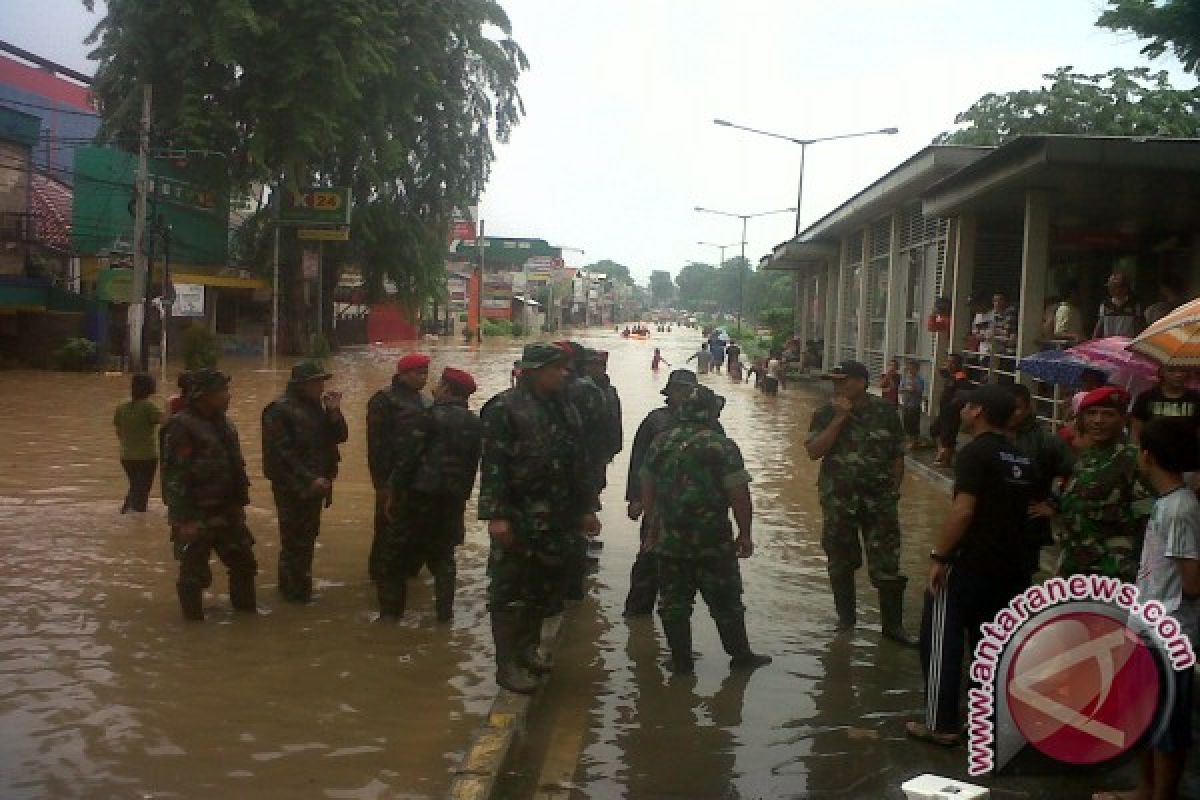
(938, 557)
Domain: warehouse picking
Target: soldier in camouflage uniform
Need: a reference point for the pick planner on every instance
(426, 502)
(301, 432)
(206, 491)
(643, 577)
(590, 402)
(537, 497)
(1105, 503)
(393, 415)
(860, 442)
(691, 478)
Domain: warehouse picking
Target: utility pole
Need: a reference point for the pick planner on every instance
(137, 309)
(481, 240)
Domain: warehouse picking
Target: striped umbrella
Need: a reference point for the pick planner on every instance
(1173, 341)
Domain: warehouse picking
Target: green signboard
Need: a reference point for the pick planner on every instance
(315, 207)
(102, 218)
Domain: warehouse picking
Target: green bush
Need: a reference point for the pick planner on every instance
(201, 348)
(497, 327)
(76, 355)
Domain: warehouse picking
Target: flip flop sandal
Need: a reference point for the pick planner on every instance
(918, 731)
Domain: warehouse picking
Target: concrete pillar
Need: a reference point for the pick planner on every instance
(799, 307)
(897, 310)
(829, 351)
(964, 278)
(839, 306)
(864, 294)
(1035, 266)
(941, 341)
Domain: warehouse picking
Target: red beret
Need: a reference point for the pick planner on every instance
(462, 380)
(413, 361)
(1106, 397)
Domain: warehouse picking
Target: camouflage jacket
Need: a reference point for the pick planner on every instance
(533, 472)
(395, 424)
(692, 468)
(1104, 509)
(862, 458)
(655, 423)
(450, 457)
(615, 433)
(592, 407)
(203, 472)
(300, 442)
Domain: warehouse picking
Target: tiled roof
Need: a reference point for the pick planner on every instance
(52, 203)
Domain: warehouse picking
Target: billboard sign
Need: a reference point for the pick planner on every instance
(315, 207)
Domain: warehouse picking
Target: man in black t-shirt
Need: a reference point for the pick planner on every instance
(977, 561)
(1171, 398)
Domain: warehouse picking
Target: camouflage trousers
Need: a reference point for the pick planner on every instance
(643, 579)
(425, 530)
(299, 524)
(875, 519)
(526, 578)
(718, 579)
(229, 536)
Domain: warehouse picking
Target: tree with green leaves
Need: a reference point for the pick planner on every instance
(397, 99)
(614, 271)
(1169, 25)
(1120, 102)
(697, 286)
(662, 289)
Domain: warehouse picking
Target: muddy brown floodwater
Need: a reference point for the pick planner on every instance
(105, 692)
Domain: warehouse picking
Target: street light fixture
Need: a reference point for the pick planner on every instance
(720, 247)
(744, 218)
(804, 143)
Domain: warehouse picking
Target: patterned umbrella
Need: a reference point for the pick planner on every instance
(1054, 366)
(1125, 368)
(1175, 339)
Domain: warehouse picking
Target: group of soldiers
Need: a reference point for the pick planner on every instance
(542, 449)
(423, 460)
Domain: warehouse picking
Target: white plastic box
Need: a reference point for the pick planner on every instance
(935, 787)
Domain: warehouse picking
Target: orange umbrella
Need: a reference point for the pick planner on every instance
(1173, 341)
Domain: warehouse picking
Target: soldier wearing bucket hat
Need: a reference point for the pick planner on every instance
(301, 433)
(536, 496)
(205, 488)
(643, 577)
(859, 441)
(394, 416)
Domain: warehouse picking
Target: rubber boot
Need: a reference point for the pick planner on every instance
(679, 639)
(844, 601)
(506, 633)
(392, 596)
(529, 654)
(891, 611)
(443, 596)
(191, 602)
(241, 593)
(733, 637)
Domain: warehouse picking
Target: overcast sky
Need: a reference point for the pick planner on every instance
(619, 146)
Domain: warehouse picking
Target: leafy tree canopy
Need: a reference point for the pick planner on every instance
(1120, 102)
(615, 271)
(1168, 24)
(397, 99)
(662, 290)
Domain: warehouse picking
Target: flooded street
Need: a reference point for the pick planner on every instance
(105, 692)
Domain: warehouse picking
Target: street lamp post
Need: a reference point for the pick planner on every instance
(720, 247)
(804, 143)
(742, 267)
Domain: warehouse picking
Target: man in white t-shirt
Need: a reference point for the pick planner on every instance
(1170, 574)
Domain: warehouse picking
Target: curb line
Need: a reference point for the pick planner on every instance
(932, 474)
(493, 743)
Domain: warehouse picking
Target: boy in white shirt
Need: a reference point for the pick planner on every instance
(1170, 574)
